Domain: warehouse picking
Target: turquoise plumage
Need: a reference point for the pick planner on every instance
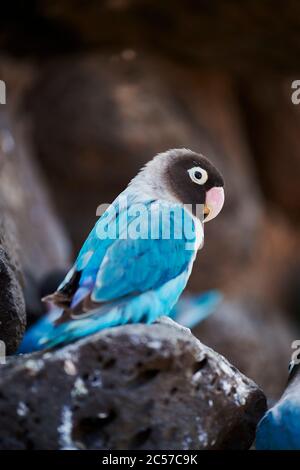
(149, 274)
(279, 429)
(190, 310)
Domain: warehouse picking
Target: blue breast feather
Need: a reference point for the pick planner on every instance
(133, 278)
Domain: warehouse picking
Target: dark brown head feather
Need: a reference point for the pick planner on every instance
(180, 182)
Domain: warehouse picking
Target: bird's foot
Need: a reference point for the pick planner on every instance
(168, 321)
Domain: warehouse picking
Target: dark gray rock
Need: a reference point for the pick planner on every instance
(131, 387)
(12, 306)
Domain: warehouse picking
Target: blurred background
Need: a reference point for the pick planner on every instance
(97, 88)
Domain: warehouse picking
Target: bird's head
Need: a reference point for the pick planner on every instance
(190, 178)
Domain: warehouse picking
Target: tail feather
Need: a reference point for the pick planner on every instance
(49, 332)
(193, 309)
(33, 335)
(76, 329)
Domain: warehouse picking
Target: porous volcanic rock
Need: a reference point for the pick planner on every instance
(131, 387)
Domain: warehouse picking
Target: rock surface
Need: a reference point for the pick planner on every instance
(12, 305)
(255, 340)
(131, 387)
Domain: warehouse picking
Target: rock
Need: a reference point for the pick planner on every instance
(12, 306)
(131, 387)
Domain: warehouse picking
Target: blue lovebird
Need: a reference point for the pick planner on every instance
(279, 429)
(138, 258)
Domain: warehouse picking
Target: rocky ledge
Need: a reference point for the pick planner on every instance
(132, 387)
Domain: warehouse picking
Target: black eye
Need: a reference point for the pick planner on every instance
(198, 175)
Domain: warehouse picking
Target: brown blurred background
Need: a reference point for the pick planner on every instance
(97, 88)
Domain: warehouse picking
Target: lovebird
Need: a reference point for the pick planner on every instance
(137, 260)
(279, 429)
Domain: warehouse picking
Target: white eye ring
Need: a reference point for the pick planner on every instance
(198, 175)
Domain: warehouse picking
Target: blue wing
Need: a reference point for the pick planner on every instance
(128, 260)
(132, 279)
